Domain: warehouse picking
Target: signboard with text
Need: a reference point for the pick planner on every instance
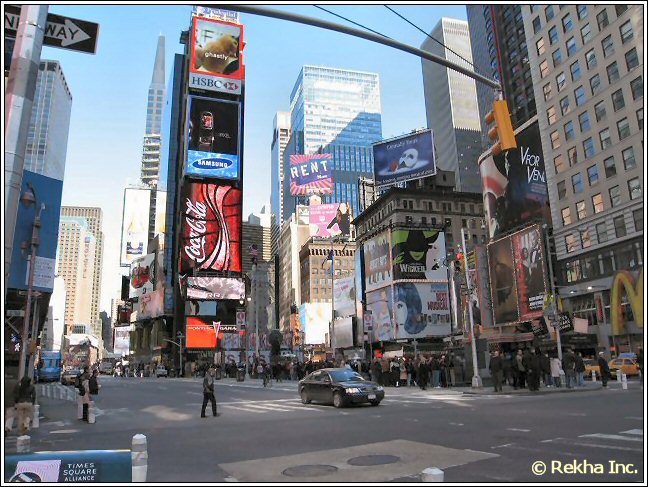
(311, 174)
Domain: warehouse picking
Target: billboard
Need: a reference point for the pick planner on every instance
(213, 288)
(422, 310)
(311, 174)
(380, 304)
(142, 276)
(404, 159)
(160, 214)
(528, 252)
(210, 228)
(514, 184)
(213, 128)
(419, 254)
(343, 332)
(202, 331)
(377, 262)
(344, 296)
(121, 345)
(330, 220)
(315, 319)
(150, 305)
(216, 56)
(135, 224)
(502, 281)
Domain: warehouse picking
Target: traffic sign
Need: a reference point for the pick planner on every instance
(15, 313)
(63, 32)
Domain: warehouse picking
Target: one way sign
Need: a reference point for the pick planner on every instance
(63, 32)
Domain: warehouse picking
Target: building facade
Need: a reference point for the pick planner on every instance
(280, 137)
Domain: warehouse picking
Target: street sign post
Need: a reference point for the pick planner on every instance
(63, 32)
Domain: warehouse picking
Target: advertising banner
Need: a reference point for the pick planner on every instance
(202, 332)
(343, 331)
(150, 305)
(422, 310)
(142, 276)
(121, 344)
(44, 272)
(160, 215)
(330, 220)
(344, 296)
(528, 252)
(514, 184)
(380, 303)
(502, 282)
(215, 288)
(315, 319)
(311, 174)
(295, 328)
(135, 223)
(214, 138)
(377, 262)
(404, 159)
(210, 228)
(216, 56)
(419, 254)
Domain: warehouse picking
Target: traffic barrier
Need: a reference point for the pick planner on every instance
(23, 444)
(624, 382)
(618, 375)
(36, 416)
(139, 458)
(432, 474)
(91, 412)
(593, 376)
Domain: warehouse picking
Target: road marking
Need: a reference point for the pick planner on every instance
(63, 431)
(608, 447)
(230, 479)
(633, 432)
(634, 417)
(611, 437)
(503, 446)
(549, 441)
(518, 429)
(456, 424)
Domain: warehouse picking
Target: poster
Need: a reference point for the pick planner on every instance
(502, 282)
(142, 276)
(311, 174)
(377, 262)
(528, 251)
(315, 319)
(344, 296)
(404, 159)
(380, 303)
(419, 254)
(422, 310)
(330, 220)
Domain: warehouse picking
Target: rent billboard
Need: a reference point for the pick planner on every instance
(419, 254)
(311, 174)
(210, 228)
(377, 262)
(528, 252)
(330, 220)
(215, 288)
(502, 282)
(135, 223)
(214, 138)
(422, 310)
(216, 56)
(404, 159)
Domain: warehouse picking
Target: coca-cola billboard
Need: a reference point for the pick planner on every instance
(210, 228)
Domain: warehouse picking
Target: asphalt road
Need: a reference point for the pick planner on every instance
(268, 435)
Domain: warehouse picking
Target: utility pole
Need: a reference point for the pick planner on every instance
(554, 298)
(476, 379)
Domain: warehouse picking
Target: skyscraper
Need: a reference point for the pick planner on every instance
(451, 104)
(334, 111)
(280, 137)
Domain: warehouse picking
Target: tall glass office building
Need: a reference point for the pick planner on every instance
(334, 111)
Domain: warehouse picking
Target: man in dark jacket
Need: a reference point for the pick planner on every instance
(24, 397)
(423, 375)
(535, 369)
(604, 369)
(569, 366)
(496, 367)
(208, 392)
(545, 366)
(579, 368)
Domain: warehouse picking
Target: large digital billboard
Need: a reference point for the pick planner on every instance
(142, 276)
(422, 310)
(502, 282)
(202, 332)
(380, 304)
(315, 319)
(311, 174)
(215, 288)
(529, 256)
(404, 159)
(344, 296)
(135, 224)
(330, 220)
(514, 184)
(377, 262)
(210, 228)
(419, 254)
(214, 138)
(216, 56)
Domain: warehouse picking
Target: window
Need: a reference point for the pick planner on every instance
(599, 111)
(564, 106)
(546, 89)
(559, 163)
(601, 232)
(597, 203)
(634, 188)
(613, 73)
(586, 241)
(562, 189)
(619, 227)
(610, 168)
(580, 210)
(566, 216)
(640, 118)
(549, 13)
(581, 10)
(551, 115)
(544, 68)
(624, 128)
(604, 137)
(636, 86)
(572, 155)
(638, 217)
(557, 58)
(588, 148)
(617, 100)
(567, 23)
(571, 46)
(584, 121)
(602, 19)
(555, 140)
(595, 84)
(540, 46)
(575, 71)
(536, 25)
(553, 36)
(579, 94)
(569, 130)
(577, 183)
(626, 32)
(620, 9)
(570, 243)
(632, 60)
(586, 33)
(592, 175)
(615, 196)
(560, 81)
(608, 46)
(590, 59)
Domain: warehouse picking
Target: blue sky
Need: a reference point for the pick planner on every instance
(110, 91)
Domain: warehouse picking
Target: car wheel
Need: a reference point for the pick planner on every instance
(304, 397)
(338, 400)
(374, 403)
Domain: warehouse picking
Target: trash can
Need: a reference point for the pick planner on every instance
(240, 375)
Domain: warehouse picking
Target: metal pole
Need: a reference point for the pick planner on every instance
(180, 337)
(476, 379)
(553, 293)
(19, 97)
(256, 306)
(333, 298)
(34, 334)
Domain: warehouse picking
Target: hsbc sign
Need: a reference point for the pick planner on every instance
(214, 83)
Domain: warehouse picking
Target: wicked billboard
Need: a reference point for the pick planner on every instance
(419, 254)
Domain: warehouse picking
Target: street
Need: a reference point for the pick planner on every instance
(267, 434)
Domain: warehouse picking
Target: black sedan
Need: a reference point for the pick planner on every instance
(340, 387)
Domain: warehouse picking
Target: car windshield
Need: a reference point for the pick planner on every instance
(345, 376)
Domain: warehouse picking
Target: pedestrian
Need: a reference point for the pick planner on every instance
(436, 372)
(640, 363)
(496, 367)
(520, 370)
(452, 363)
(83, 397)
(569, 366)
(545, 365)
(24, 398)
(208, 392)
(536, 371)
(402, 378)
(555, 371)
(579, 368)
(604, 368)
(422, 375)
(93, 384)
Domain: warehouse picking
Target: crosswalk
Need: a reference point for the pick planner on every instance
(276, 405)
(56, 390)
(622, 441)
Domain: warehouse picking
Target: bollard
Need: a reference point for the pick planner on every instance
(139, 458)
(624, 382)
(618, 375)
(91, 412)
(22, 444)
(432, 474)
(36, 416)
(593, 375)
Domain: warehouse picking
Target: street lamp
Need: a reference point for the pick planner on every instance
(476, 379)
(180, 337)
(29, 198)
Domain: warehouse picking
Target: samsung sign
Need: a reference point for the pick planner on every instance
(213, 83)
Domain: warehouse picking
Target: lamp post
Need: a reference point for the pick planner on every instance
(554, 310)
(180, 337)
(28, 198)
(476, 379)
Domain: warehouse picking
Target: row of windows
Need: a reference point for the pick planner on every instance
(566, 21)
(602, 233)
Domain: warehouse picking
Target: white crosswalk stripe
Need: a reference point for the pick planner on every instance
(277, 405)
(618, 442)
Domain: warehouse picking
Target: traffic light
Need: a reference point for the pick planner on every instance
(503, 129)
(460, 263)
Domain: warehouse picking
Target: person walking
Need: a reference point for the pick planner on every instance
(555, 371)
(436, 371)
(604, 368)
(569, 366)
(545, 366)
(402, 373)
(83, 396)
(536, 370)
(452, 363)
(520, 370)
(579, 368)
(93, 384)
(496, 367)
(422, 375)
(208, 392)
(24, 398)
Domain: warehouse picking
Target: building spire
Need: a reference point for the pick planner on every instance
(158, 68)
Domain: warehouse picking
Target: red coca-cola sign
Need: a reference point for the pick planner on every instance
(211, 228)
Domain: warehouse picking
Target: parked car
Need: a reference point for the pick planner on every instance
(68, 377)
(628, 366)
(106, 367)
(340, 387)
(161, 371)
(591, 365)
